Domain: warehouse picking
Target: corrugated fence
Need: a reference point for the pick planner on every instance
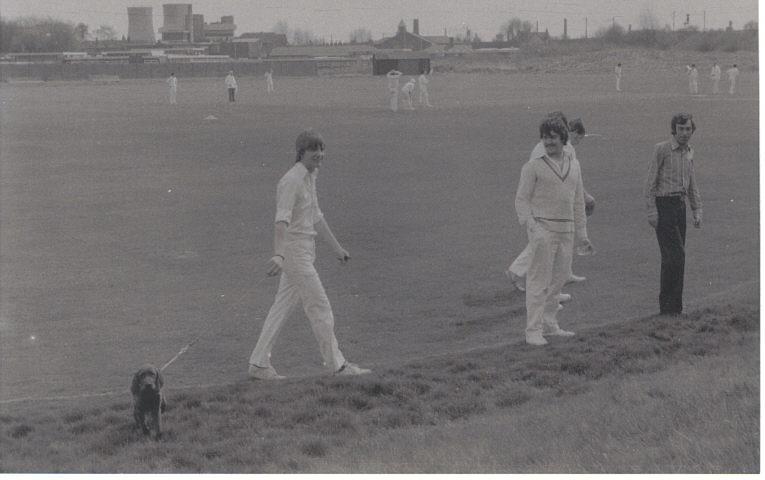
(85, 71)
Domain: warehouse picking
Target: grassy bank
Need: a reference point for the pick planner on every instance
(620, 388)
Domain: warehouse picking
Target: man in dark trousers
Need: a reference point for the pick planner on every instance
(670, 180)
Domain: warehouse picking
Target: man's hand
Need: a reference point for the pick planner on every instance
(653, 221)
(585, 248)
(696, 220)
(343, 255)
(589, 204)
(274, 265)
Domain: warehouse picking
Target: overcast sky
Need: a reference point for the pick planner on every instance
(335, 19)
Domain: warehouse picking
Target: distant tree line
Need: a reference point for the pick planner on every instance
(651, 35)
(46, 34)
(34, 34)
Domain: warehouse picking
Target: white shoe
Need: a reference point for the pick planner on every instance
(560, 307)
(558, 332)
(575, 279)
(537, 340)
(352, 369)
(264, 373)
(564, 297)
(518, 282)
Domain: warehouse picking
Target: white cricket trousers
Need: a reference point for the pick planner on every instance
(551, 255)
(300, 283)
(393, 99)
(716, 85)
(173, 94)
(520, 265)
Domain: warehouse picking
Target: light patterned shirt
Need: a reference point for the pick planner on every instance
(296, 201)
(671, 172)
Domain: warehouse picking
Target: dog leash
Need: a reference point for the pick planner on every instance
(199, 336)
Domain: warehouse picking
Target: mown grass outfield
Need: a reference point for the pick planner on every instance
(129, 227)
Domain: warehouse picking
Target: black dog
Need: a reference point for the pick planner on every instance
(148, 400)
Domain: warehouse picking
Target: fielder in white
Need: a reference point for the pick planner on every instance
(172, 81)
(715, 75)
(618, 73)
(269, 80)
(423, 82)
(693, 79)
(393, 77)
(408, 90)
(520, 266)
(231, 86)
(550, 204)
(298, 220)
(732, 76)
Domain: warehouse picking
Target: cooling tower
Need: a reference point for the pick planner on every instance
(140, 25)
(177, 23)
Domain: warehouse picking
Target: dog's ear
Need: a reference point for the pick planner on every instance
(135, 385)
(160, 381)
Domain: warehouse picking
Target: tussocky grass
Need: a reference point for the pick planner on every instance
(298, 425)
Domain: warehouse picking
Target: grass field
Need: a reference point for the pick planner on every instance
(129, 226)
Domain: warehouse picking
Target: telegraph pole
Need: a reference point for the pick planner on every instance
(705, 22)
(585, 27)
(673, 20)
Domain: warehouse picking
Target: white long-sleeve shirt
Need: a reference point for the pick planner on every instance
(172, 81)
(230, 81)
(552, 195)
(716, 73)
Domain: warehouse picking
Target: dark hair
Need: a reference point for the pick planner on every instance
(308, 140)
(552, 124)
(576, 125)
(560, 116)
(682, 118)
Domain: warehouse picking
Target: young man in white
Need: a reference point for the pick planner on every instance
(298, 220)
(422, 82)
(393, 77)
(550, 204)
(517, 270)
(269, 80)
(715, 75)
(693, 79)
(732, 76)
(408, 90)
(231, 86)
(172, 81)
(618, 73)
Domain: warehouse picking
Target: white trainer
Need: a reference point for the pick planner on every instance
(352, 369)
(575, 279)
(537, 340)
(564, 297)
(264, 373)
(558, 332)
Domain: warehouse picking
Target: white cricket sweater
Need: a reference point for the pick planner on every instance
(552, 196)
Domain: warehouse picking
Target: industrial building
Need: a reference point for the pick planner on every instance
(178, 23)
(140, 25)
(222, 31)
